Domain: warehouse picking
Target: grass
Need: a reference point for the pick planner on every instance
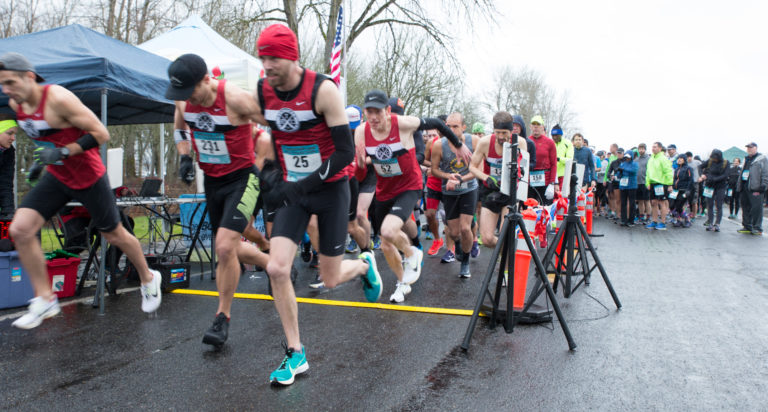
(141, 230)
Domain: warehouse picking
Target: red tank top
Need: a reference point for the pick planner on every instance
(397, 168)
(221, 147)
(301, 136)
(493, 161)
(434, 183)
(77, 172)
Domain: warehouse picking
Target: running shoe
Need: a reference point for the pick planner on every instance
(428, 235)
(376, 242)
(677, 223)
(448, 257)
(661, 226)
(317, 283)
(412, 266)
(351, 246)
(464, 271)
(401, 289)
(151, 296)
(217, 334)
(293, 364)
(475, 250)
(651, 225)
(437, 244)
(687, 224)
(757, 232)
(707, 224)
(38, 310)
(744, 231)
(371, 280)
(716, 228)
(313, 262)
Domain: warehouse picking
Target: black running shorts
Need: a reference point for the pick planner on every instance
(231, 199)
(457, 205)
(400, 206)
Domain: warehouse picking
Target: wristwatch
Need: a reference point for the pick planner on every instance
(64, 152)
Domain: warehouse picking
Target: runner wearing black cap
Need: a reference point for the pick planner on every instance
(388, 140)
(218, 114)
(68, 135)
(313, 145)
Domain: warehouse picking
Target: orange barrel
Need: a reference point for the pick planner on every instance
(590, 208)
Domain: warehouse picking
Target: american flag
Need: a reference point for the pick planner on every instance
(336, 52)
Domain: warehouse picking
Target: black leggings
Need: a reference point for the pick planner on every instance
(734, 202)
(628, 201)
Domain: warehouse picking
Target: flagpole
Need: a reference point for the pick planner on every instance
(344, 55)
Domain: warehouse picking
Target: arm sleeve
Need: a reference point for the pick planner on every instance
(434, 123)
(532, 152)
(7, 163)
(418, 143)
(341, 157)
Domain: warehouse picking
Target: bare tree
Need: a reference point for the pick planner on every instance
(524, 91)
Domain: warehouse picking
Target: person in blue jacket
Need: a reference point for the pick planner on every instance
(627, 176)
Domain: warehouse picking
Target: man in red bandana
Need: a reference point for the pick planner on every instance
(313, 145)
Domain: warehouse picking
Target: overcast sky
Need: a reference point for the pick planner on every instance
(693, 73)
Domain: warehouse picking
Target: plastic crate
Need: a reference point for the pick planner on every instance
(15, 286)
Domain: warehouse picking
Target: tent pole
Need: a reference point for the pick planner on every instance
(103, 251)
(162, 158)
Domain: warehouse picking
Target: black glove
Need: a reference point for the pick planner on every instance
(50, 155)
(187, 169)
(491, 183)
(34, 172)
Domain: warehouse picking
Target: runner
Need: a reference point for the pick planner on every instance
(388, 140)
(486, 166)
(218, 115)
(658, 178)
(68, 136)
(313, 146)
(434, 195)
(459, 191)
(543, 177)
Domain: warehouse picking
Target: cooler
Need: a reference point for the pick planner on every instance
(15, 286)
(63, 275)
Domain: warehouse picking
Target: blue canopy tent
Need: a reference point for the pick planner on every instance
(121, 83)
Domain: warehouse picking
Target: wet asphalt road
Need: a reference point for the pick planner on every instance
(691, 335)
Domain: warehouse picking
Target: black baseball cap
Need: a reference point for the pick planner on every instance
(751, 144)
(376, 99)
(184, 73)
(18, 63)
(397, 106)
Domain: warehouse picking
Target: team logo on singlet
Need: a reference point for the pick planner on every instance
(383, 152)
(29, 128)
(205, 122)
(287, 121)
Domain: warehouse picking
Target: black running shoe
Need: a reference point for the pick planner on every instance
(217, 334)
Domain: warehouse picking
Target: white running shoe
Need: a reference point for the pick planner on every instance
(412, 266)
(401, 290)
(39, 309)
(151, 295)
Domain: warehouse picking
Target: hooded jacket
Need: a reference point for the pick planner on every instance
(758, 173)
(517, 119)
(716, 171)
(734, 173)
(684, 177)
(628, 170)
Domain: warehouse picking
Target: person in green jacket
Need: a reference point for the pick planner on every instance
(564, 151)
(658, 179)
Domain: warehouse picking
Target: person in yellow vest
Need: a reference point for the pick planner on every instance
(564, 152)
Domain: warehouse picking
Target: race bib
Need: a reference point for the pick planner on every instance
(745, 175)
(211, 147)
(708, 191)
(624, 181)
(673, 194)
(730, 192)
(300, 161)
(495, 168)
(387, 168)
(658, 190)
(538, 178)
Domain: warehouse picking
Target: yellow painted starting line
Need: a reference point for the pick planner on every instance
(327, 302)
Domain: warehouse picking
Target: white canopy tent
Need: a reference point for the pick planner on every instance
(194, 36)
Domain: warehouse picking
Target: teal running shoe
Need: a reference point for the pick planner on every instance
(293, 364)
(372, 279)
